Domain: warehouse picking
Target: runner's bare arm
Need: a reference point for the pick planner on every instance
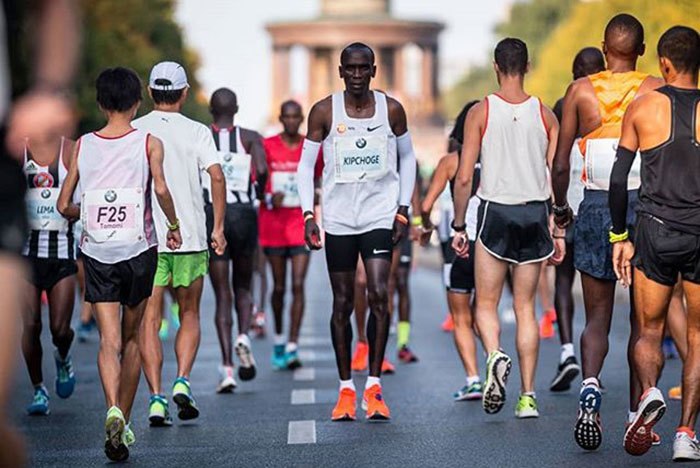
(552, 134)
(407, 165)
(257, 153)
(438, 182)
(568, 128)
(65, 203)
(473, 128)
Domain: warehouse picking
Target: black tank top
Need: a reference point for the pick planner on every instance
(671, 171)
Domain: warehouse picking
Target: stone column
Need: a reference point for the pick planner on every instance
(428, 79)
(399, 74)
(280, 78)
(319, 73)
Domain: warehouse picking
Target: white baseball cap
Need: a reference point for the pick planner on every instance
(168, 76)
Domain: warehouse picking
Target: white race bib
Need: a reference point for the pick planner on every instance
(358, 159)
(42, 213)
(286, 182)
(600, 156)
(113, 215)
(236, 168)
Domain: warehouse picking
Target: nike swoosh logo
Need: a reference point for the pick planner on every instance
(371, 129)
(376, 252)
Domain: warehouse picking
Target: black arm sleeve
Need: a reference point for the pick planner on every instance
(617, 196)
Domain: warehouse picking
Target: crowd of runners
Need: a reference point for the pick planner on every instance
(135, 215)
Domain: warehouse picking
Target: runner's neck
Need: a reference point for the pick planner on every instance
(291, 140)
(511, 89)
(683, 81)
(617, 65)
(225, 121)
(175, 108)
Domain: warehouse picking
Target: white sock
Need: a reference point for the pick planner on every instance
(279, 339)
(290, 348)
(567, 351)
(532, 394)
(473, 379)
(372, 381)
(347, 384)
(591, 381)
(630, 416)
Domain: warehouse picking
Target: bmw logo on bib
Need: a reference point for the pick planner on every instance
(361, 143)
(46, 193)
(228, 157)
(110, 196)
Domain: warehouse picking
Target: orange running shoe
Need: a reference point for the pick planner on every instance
(448, 324)
(387, 367)
(675, 393)
(373, 403)
(547, 325)
(345, 408)
(360, 358)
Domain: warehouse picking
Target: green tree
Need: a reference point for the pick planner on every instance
(135, 34)
(532, 21)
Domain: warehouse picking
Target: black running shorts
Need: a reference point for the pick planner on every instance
(286, 252)
(240, 230)
(662, 252)
(342, 251)
(462, 273)
(128, 282)
(515, 233)
(47, 272)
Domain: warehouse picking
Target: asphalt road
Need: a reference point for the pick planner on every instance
(283, 418)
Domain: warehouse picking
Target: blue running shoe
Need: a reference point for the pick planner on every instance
(65, 378)
(469, 392)
(158, 412)
(588, 431)
(279, 358)
(292, 360)
(40, 402)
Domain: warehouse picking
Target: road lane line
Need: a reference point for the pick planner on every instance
(301, 432)
(305, 374)
(306, 396)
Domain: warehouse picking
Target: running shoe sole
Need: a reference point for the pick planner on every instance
(38, 412)
(246, 371)
(587, 431)
(377, 416)
(638, 438)
(185, 409)
(115, 449)
(469, 397)
(495, 388)
(159, 421)
(228, 388)
(344, 417)
(562, 382)
(295, 364)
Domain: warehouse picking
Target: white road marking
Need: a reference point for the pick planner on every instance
(301, 432)
(314, 341)
(305, 396)
(305, 374)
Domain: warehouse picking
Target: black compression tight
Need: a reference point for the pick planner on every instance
(563, 297)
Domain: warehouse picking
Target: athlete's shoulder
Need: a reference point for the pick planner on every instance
(323, 106)
(650, 83)
(248, 134)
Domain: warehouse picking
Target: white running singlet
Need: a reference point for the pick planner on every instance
(360, 172)
(514, 152)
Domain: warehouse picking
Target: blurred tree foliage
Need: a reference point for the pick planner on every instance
(532, 21)
(584, 27)
(555, 30)
(135, 34)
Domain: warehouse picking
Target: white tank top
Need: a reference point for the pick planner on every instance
(115, 183)
(514, 152)
(360, 172)
(236, 166)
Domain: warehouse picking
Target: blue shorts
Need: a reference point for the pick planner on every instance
(592, 247)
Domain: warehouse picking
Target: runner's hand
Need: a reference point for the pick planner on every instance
(564, 220)
(622, 261)
(460, 244)
(312, 234)
(40, 117)
(277, 199)
(559, 252)
(398, 232)
(174, 239)
(218, 242)
(425, 234)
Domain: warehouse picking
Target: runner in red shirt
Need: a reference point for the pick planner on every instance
(281, 231)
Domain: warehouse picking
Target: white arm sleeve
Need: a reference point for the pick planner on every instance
(407, 168)
(305, 174)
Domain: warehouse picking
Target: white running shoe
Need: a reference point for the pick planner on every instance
(227, 383)
(638, 436)
(685, 448)
(246, 371)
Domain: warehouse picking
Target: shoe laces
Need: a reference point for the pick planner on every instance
(40, 396)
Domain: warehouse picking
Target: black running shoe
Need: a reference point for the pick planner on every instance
(566, 373)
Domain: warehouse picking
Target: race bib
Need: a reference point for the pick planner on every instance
(236, 168)
(42, 213)
(600, 156)
(113, 215)
(359, 159)
(286, 182)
